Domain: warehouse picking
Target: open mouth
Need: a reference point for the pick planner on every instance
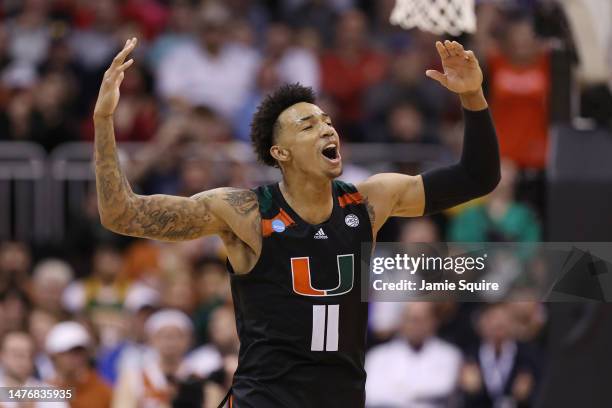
(331, 152)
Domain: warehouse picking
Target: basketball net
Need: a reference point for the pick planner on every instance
(436, 16)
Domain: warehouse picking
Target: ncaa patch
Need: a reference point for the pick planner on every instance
(351, 220)
(278, 225)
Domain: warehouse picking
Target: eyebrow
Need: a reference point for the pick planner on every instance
(305, 118)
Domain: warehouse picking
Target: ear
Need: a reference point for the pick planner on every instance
(279, 153)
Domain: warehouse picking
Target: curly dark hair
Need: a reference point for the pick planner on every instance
(264, 124)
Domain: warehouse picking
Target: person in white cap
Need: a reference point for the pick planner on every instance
(154, 384)
(68, 344)
(17, 368)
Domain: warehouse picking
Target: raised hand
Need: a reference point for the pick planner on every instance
(108, 97)
(462, 73)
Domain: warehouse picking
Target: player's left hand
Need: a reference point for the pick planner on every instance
(462, 73)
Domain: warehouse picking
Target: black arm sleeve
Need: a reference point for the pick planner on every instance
(476, 174)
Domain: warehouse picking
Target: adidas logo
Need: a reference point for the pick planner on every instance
(320, 234)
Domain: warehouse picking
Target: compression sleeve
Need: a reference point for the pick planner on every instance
(477, 173)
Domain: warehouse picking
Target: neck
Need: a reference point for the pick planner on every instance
(74, 376)
(169, 366)
(310, 198)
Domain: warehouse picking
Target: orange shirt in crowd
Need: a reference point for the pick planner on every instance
(90, 392)
(519, 102)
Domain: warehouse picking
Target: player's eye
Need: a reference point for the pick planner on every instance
(307, 128)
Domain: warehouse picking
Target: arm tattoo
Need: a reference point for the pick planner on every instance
(158, 217)
(371, 213)
(242, 201)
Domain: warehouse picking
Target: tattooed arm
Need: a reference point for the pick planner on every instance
(222, 211)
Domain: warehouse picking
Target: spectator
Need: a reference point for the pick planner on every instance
(500, 218)
(519, 87)
(50, 278)
(155, 381)
(17, 368)
(499, 370)
(177, 32)
(30, 33)
(100, 297)
(406, 85)
(40, 323)
(15, 263)
(386, 317)
(292, 63)
(15, 307)
(406, 124)
(349, 69)
(211, 283)
(220, 73)
(416, 369)
(69, 345)
(141, 302)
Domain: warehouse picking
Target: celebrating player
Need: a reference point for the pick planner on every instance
(294, 247)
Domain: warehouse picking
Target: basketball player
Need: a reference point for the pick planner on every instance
(294, 246)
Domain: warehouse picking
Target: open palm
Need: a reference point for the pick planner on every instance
(462, 73)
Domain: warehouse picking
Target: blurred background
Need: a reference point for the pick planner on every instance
(137, 323)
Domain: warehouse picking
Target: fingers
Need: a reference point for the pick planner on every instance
(436, 75)
(453, 49)
(442, 50)
(125, 65)
(129, 47)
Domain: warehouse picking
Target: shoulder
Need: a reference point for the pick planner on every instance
(445, 349)
(388, 350)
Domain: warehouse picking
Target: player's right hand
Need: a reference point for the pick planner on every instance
(108, 97)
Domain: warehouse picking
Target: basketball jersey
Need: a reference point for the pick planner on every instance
(299, 315)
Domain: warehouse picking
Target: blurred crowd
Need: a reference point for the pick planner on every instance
(136, 323)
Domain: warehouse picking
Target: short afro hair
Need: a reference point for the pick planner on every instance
(265, 119)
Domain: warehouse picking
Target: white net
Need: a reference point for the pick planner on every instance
(436, 16)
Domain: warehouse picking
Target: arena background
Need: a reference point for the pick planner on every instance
(200, 69)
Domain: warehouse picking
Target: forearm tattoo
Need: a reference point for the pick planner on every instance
(158, 217)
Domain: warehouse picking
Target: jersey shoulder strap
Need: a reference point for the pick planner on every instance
(273, 217)
(347, 193)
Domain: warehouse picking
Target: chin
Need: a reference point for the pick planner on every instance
(334, 173)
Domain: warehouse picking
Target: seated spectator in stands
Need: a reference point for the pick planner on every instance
(49, 280)
(220, 73)
(15, 306)
(15, 263)
(407, 124)
(177, 32)
(29, 32)
(386, 317)
(40, 323)
(348, 70)
(499, 371)
(416, 369)
(224, 343)
(93, 44)
(499, 218)
(211, 286)
(406, 85)
(156, 380)
(292, 63)
(70, 346)
(100, 296)
(17, 368)
(140, 303)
